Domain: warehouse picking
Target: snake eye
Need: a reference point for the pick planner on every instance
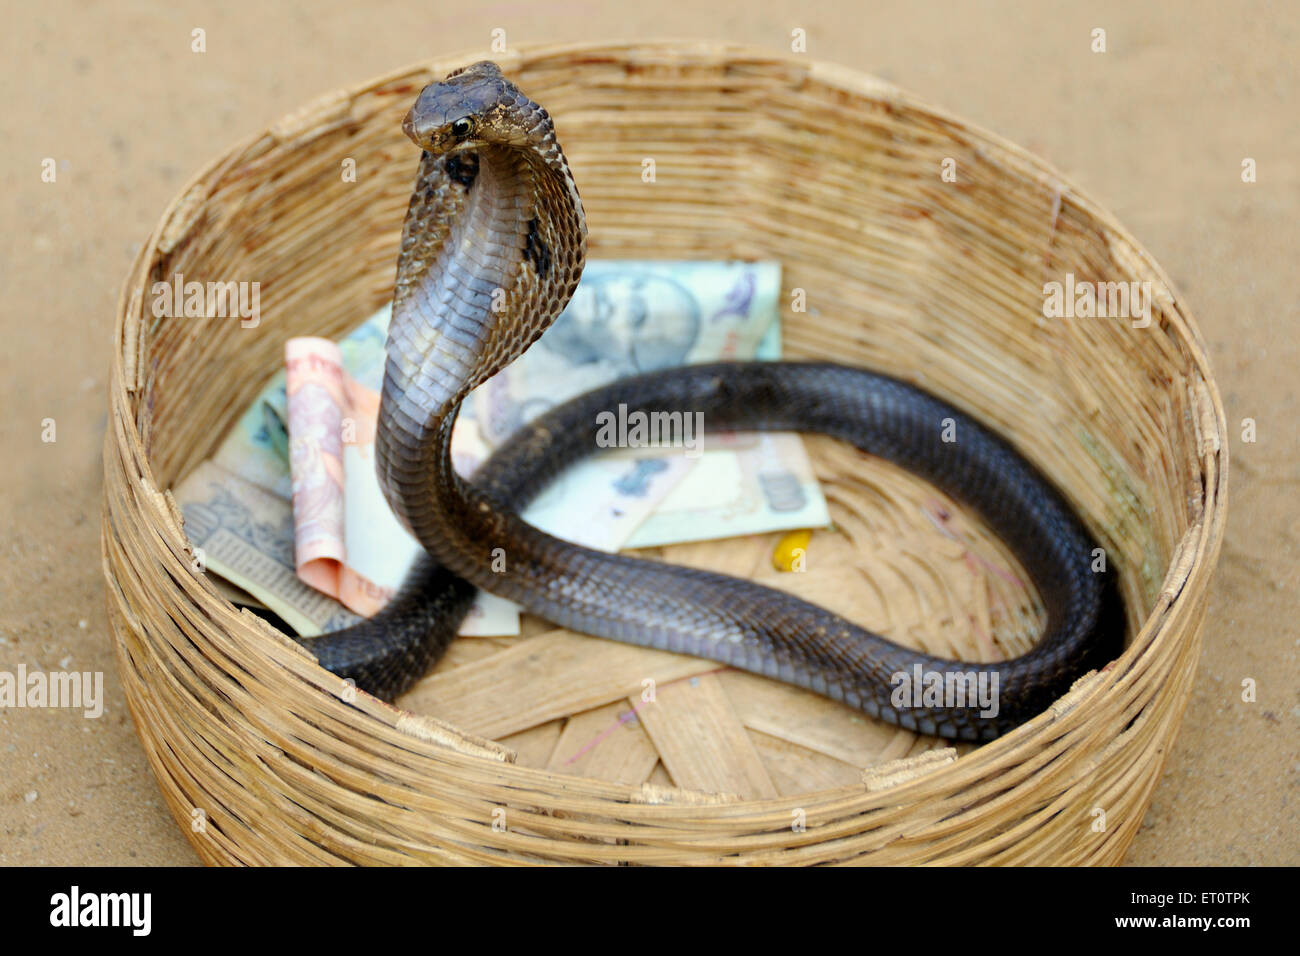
(462, 127)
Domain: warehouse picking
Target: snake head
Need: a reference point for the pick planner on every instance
(473, 107)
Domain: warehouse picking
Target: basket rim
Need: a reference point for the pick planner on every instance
(1192, 563)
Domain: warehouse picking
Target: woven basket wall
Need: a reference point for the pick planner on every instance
(838, 176)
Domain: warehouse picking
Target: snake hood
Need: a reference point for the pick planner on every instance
(495, 235)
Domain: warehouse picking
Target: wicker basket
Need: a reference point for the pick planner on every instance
(841, 178)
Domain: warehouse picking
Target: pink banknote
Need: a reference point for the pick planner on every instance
(316, 405)
(328, 410)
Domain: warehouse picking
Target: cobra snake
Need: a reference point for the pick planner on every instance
(492, 247)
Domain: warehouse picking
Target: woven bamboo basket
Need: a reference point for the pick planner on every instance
(543, 748)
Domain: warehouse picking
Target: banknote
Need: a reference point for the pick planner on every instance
(257, 447)
(317, 405)
(629, 317)
(244, 533)
(744, 483)
(601, 501)
(236, 595)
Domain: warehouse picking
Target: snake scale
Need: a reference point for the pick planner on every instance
(492, 248)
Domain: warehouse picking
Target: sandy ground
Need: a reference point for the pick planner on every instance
(1156, 128)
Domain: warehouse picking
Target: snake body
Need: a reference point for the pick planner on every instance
(492, 248)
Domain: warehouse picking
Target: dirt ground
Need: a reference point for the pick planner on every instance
(1156, 128)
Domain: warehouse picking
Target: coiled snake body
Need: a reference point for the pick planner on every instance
(492, 248)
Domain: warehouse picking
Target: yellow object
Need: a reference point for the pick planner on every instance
(791, 551)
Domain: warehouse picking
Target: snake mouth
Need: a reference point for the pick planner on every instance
(439, 140)
(421, 135)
